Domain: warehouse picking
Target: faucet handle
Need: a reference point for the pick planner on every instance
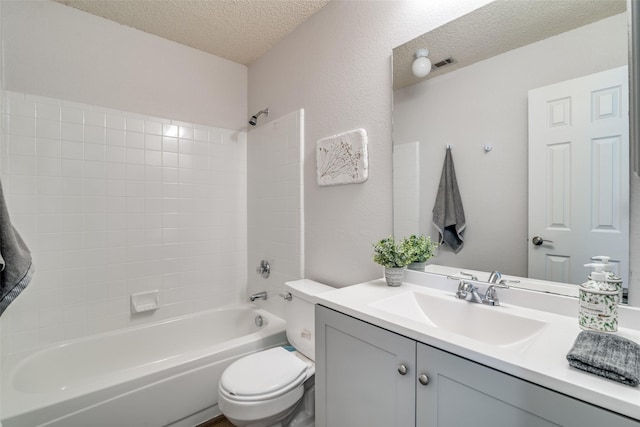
(491, 297)
(503, 283)
(464, 288)
(472, 276)
(287, 296)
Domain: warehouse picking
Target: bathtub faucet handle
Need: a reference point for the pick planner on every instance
(258, 295)
(287, 296)
(264, 269)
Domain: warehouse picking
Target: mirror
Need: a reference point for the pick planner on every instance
(478, 104)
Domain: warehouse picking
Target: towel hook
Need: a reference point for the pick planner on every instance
(449, 147)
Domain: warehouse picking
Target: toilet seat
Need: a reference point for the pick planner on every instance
(264, 375)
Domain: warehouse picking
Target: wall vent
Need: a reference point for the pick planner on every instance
(443, 63)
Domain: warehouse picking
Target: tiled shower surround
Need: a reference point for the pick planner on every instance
(112, 203)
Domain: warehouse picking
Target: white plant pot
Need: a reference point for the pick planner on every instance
(394, 276)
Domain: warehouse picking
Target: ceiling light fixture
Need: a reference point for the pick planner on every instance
(421, 64)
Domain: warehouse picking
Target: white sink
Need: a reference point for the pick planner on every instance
(496, 325)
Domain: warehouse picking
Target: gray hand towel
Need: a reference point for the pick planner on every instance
(15, 259)
(606, 355)
(448, 213)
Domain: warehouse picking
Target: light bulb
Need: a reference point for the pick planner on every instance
(421, 65)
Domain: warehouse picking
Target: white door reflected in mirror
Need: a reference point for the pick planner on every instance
(578, 175)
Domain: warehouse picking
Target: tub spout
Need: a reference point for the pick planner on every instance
(259, 295)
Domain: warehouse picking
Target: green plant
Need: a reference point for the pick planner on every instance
(390, 254)
(419, 248)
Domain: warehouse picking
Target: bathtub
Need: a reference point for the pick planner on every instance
(154, 375)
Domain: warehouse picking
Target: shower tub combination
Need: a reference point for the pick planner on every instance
(160, 374)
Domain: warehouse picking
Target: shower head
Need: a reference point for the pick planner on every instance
(254, 119)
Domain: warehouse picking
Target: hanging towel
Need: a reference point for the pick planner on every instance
(448, 213)
(606, 355)
(15, 259)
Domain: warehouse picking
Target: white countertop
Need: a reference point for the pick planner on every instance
(542, 360)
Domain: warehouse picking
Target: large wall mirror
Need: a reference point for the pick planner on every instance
(480, 101)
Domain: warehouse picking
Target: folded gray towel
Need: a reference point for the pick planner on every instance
(448, 213)
(606, 355)
(15, 259)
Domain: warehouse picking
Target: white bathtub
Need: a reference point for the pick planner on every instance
(154, 375)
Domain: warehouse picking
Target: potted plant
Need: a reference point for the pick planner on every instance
(392, 256)
(419, 249)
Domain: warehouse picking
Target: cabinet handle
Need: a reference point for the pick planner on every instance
(424, 379)
(402, 370)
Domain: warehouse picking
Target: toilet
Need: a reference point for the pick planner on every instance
(275, 387)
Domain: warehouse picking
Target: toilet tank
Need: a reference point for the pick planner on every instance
(300, 314)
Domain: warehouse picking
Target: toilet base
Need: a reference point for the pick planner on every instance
(305, 413)
(302, 414)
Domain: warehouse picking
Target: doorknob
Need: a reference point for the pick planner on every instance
(537, 240)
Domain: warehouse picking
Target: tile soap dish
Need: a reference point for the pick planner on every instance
(145, 301)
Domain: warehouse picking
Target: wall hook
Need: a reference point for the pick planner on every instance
(488, 148)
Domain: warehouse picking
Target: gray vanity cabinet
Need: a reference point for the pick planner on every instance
(464, 393)
(367, 376)
(359, 374)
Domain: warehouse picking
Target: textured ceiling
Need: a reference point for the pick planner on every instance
(497, 28)
(238, 30)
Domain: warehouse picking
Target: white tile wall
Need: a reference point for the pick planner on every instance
(111, 203)
(275, 215)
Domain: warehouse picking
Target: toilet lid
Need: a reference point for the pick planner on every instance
(266, 373)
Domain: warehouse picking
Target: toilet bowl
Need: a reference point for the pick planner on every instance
(263, 388)
(275, 387)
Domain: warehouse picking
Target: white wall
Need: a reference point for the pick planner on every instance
(486, 103)
(337, 66)
(406, 185)
(57, 51)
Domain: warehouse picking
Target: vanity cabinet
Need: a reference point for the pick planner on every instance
(368, 376)
(365, 375)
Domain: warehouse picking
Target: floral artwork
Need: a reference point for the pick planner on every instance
(342, 159)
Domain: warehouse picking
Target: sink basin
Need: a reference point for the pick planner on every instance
(492, 325)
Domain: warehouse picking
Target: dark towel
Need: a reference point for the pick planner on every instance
(448, 213)
(606, 355)
(15, 259)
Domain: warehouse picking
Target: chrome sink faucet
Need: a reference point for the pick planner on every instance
(494, 277)
(468, 292)
(491, 296)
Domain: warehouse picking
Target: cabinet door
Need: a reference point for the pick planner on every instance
(358, 379)
(464, 393)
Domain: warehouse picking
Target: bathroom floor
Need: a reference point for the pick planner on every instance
(217, 422)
